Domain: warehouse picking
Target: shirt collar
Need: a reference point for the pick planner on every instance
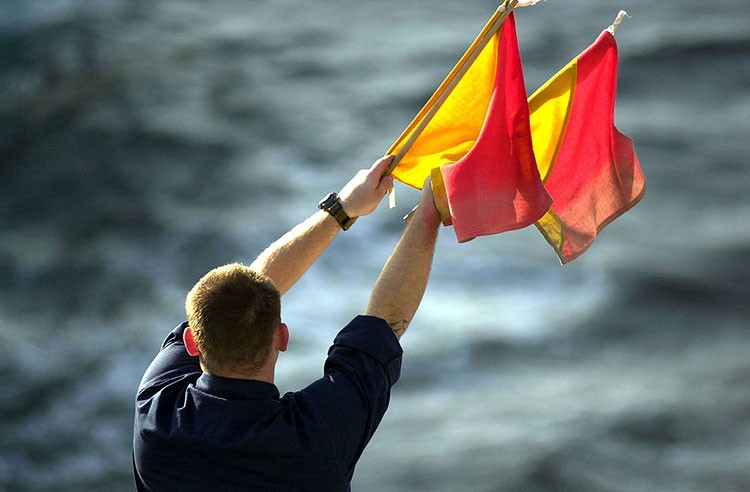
(237, 389)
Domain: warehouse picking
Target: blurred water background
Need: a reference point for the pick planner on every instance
(143, 142)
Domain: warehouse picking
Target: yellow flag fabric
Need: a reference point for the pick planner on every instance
(549, 109)
(456, 125)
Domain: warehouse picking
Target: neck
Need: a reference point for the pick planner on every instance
(267, 373)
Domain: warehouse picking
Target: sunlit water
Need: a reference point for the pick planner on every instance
(144, 142)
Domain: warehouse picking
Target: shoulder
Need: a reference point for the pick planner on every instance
(171, 365)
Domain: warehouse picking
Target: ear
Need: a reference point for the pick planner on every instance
(187, 337)
(281, 337)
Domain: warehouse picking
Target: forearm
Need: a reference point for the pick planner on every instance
(403, 280)
(290, 256)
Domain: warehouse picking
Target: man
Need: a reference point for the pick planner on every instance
(208, 415)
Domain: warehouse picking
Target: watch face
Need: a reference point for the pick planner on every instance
(328, 201)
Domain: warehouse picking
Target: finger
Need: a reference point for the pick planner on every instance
(386, 183)
(381, 165)
(426, 189)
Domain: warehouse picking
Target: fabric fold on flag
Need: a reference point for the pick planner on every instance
(589, 168)
(479, 141)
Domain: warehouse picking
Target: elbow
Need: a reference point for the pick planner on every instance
(396, 320)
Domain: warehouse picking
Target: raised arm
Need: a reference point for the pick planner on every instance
(289, 257)
(403, 280)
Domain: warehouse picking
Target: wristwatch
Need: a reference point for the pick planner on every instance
(332, 204)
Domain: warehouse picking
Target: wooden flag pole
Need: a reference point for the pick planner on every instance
(450, 82)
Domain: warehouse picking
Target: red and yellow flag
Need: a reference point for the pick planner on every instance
(477, 146)
(589, 168)
(501, 162)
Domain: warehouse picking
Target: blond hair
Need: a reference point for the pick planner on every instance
(233, 312)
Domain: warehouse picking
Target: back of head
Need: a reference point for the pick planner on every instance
(233, 312)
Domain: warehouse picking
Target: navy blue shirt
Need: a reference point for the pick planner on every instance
(195, 431)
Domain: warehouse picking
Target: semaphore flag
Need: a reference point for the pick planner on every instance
(501, 162)
(477, 146)
(589, 168)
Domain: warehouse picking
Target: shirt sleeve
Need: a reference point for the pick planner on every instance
(352, 397)
(172, 362)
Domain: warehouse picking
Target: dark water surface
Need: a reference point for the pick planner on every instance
(144, 142)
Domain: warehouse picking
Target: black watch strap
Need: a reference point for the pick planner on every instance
(332, 204)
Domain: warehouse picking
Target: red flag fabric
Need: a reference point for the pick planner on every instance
(589, 168)
(496, 186)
